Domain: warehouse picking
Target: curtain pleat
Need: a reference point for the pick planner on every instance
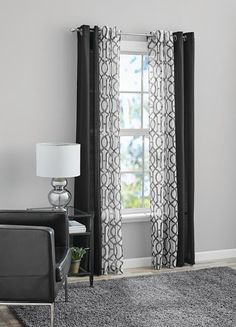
(110, 185)
(184, 104)
(162, 150)
(87, 185)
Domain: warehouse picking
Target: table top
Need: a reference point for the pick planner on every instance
(74, 212)
(70, 210)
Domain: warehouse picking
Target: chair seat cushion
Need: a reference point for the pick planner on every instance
(63, 260)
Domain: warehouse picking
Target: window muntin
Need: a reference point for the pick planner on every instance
(134, 123)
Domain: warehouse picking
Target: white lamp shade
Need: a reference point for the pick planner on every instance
(58, 160)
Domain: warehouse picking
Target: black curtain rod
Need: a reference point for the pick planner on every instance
(79, 29)
(134, 34)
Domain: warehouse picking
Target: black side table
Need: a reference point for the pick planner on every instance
(86, 239)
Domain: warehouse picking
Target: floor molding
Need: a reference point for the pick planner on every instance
(200, 257)
(215, 255)
(137, 262)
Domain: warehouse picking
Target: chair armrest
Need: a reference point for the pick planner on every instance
(26, 250)
(27, 257)
(63, 261)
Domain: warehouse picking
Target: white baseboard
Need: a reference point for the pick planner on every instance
(215, 255)
(199, 256)
(137, 262)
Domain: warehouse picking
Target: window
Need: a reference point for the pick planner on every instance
(134, 141)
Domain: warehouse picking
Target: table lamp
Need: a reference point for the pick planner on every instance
(58, 161)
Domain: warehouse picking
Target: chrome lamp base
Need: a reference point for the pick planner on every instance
(59, 197)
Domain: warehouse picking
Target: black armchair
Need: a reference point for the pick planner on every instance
(34, 257)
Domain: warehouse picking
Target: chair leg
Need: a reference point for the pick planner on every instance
(66, 289)
(91, 281)
(52, 314)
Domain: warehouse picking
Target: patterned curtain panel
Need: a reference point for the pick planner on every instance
(162, 148)
(110, 186)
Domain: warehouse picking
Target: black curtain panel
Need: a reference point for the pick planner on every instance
(184, 104)
(87, 191)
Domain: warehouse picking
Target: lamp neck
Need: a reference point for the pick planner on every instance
(59, 183)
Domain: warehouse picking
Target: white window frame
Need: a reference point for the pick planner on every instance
(134, 214)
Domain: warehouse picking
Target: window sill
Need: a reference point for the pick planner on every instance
(140, 217)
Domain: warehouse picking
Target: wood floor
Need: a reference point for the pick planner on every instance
(8, 320)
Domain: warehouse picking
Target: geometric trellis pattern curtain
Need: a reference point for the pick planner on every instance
(110, 186)
(162, 150)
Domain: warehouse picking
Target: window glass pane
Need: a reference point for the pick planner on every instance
(145, 73)
(130, 110)
(146, 199)
(146, 153)
(145, 111)
(131, 190)
(134, 114)
(131, 152)
(130, 72)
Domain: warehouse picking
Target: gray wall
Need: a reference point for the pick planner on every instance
(38, 98)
